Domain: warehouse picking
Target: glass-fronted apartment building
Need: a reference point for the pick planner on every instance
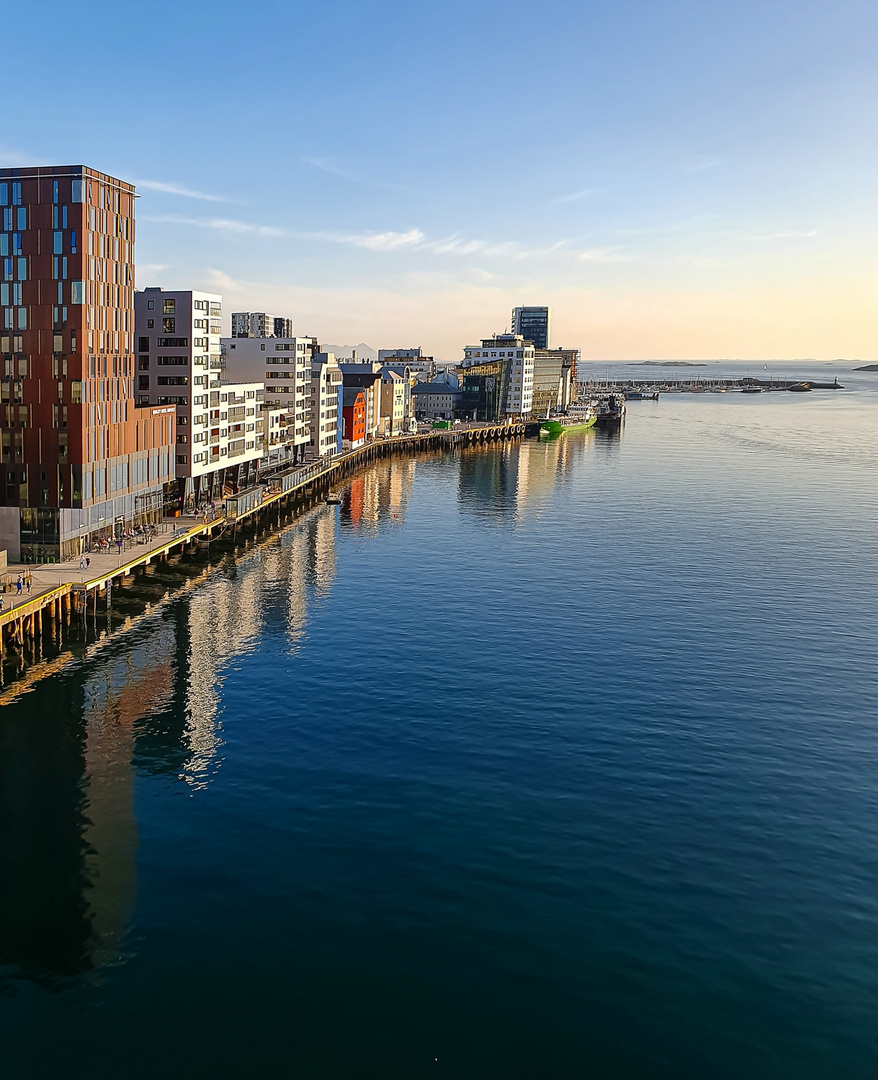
(78, 461)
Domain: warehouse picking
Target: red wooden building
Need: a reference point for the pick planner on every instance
(354, 416)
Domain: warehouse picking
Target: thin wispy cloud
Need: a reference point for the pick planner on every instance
(178, 189)
(787, 235)
(610, 254)
(576, 196)
(352, 175)
(458, 245)
(219, 224)
(384, 241)
(12, 157)
(692, 226)
(412, 239)
(702, 164)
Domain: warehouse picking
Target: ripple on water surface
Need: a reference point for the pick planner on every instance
(550, 759)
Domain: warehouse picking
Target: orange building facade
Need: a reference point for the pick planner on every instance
(79, 461)
(354, 416)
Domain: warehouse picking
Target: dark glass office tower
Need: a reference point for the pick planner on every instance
(533, 325)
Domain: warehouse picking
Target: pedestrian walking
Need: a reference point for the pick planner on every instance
(18, 584)
(27, 582)
(87, 562)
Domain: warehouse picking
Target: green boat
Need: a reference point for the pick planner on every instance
(579, 417)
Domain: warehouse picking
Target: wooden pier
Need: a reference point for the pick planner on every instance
(25, 625)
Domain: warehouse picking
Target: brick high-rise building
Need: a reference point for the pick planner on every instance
(78, 460)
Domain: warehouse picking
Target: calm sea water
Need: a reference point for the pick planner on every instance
(551, 760)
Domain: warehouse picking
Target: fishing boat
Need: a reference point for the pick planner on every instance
(752, 389)
(580, 416)
(610, 410)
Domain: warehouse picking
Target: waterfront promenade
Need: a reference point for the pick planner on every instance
(57, 589)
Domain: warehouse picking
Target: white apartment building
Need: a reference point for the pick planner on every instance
(283, 368)
(518, 354)
(396, 399)
(260, 324)
(219, 443)
(274, 432)
(325, 406)
(423, 367)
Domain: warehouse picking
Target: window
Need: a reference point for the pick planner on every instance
(73, 241)
(143, 344)
(16, 194)
(78, 191)
(150, 324)
(150, 304)
(57, 242)
(77, 292)
(171, 342)
(142, 382)
(143, 363)
(7, 218)
(169, 326)
(4, 194)
(169, 307)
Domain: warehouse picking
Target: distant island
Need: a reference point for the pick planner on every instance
(868, 367)
(663, 363)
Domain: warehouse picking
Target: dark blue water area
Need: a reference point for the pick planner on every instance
(547, 760)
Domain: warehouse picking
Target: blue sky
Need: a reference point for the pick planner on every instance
(677, 179)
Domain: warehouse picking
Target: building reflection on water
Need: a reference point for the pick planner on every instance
(148, 702)
(378, 495)
(512, 479)
(68, 831)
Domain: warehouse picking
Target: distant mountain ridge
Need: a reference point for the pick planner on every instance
(345, 352)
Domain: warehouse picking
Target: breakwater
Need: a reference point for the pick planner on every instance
(33, 628)
(702, 384)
